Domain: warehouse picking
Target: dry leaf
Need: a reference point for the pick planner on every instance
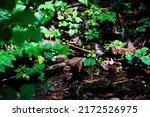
(119, 50)
(130, 44)
(77, 41)
(97, 49)
(75, 63)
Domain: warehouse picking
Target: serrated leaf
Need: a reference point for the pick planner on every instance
(58, 47)
(27, 92)
(39, 15)
(146, 60)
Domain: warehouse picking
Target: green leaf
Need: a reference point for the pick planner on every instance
(58, 47)
(34, 34)
(23, 18)
(18, 8)
(12, 57)
(72, 32)
(45, 31)
(63, 23)
(2, 68)
(8, 93)
(48, 55)
(141, 52)
(146, 60)
(129, 56)
(20, 35)
(39, 15)
(56, 33)
(7, 4)
(8, 63)
(48, 46)
(84, 2)
(89, 62)
(60, 17)
(27, 92)
(41, 59)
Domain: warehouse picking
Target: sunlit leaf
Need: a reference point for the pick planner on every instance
(146, 60)
(41, 59)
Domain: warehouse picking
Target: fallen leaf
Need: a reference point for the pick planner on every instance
(75, 63)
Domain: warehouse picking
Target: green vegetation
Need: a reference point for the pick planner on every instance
(35, 33)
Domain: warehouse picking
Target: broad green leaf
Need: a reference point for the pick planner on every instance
(48, 55)
(7, 4)
(8, 93)
(48, 46)
(58, 47)
(72, 32)
(129, 56)
(23, 18)
(41, 59)
(12, 57)
(8, 63)
(20, 35)
(2, 68)
(146, 60)
(39, 15)
(27, 92)
(18, 8)
(34, 35)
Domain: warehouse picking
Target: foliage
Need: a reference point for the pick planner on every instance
(26, 92)
(140, 54)
(25, 23)
(84, 2)
(91, 34)
(115, 43)
(89, 62)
